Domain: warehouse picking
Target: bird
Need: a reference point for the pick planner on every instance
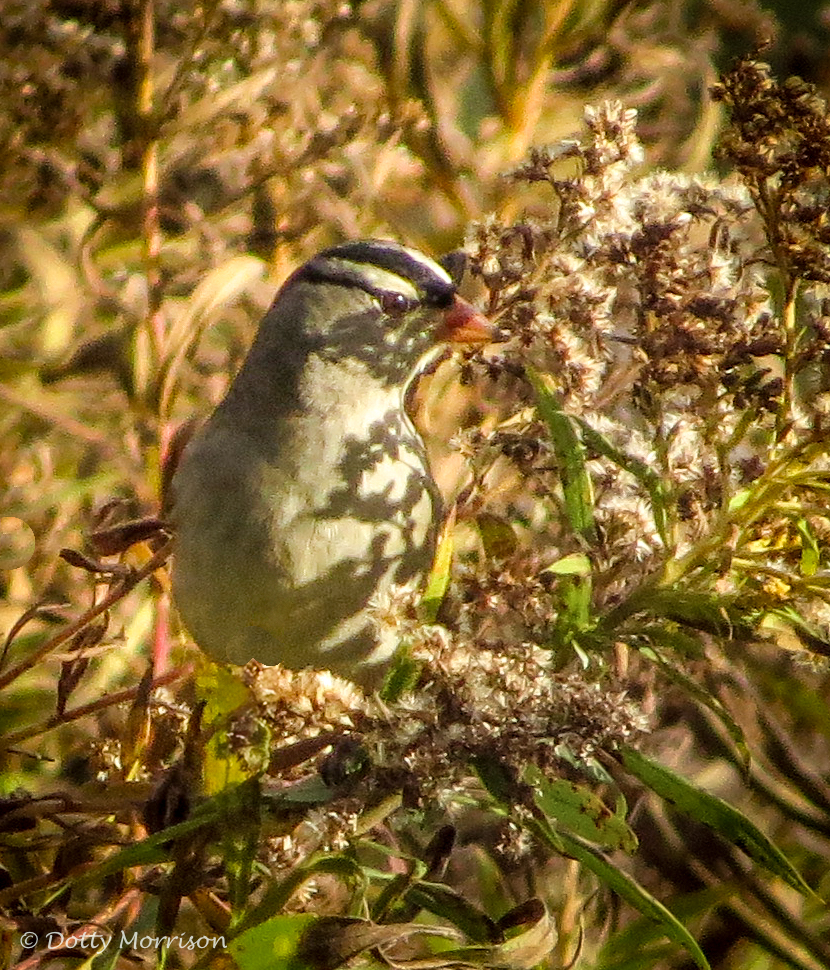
(307, 493)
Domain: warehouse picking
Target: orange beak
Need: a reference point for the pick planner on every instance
(463, 324)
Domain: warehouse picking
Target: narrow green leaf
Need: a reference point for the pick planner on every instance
(792, 632)
(497, 536)
(723, 818)
(501, 783)
(577, 564)
(697, 609)
(672, 637)
(639, 945)
(739, 499)
(652, 482)
(303, 941)
(580, 810)
(440, 573)
(810, 552)
(634, 894)
(274, 944)
(570, 454)
(106, 959)
(575, 604)
(401, 677)
(698, 692)
(522, 951)
(150, 851)
(449, 905)
(586, 765)
(277, 896)
(240, 842)
(573, 620)
(390, 897)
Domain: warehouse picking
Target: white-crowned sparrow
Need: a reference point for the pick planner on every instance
(307, 492)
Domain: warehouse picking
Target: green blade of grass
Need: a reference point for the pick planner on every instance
(570, 455)
(632, 892)
(717, 814)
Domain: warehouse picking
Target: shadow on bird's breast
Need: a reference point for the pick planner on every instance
(383, 477)
(323, 622)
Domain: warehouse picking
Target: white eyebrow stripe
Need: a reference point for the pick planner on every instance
(380, 279)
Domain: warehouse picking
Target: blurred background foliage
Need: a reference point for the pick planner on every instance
(164, 166)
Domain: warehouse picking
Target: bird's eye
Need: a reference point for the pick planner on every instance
(395, 304)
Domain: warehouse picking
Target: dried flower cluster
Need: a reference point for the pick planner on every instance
(655, 273)
(779, 140)
(471, 706)
(304, 703)
(649, 302)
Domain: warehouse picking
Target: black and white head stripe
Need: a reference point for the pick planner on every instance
(382, 269)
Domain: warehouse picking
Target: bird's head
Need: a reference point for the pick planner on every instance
(382, 299)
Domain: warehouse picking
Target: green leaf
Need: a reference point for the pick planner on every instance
(670, 636)
(439, 575)
(401, 677)
(222, 689)
(810, 552)
(533, 946)
(698, 692)
(451, 906)
(150, 851)
(574, 615)
(658, 493)
(577, 564)
(500, 782)
(792, 632)
(723, 818)
(580, 810)
(586, 765)
(633, 893)
(697, 609)
(739, 499)
(156, 848)
(497, 536)
(641, 945)
(303, 941)
(278, 895)
(240, 842)
(392, 894)
(525, 950)
(226, 766)
(501, 785)
(106, 959)
(570, 455)
(273, 945)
